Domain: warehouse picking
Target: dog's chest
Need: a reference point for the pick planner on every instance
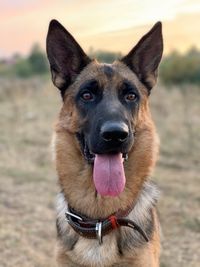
(118, 248)
(88, 252)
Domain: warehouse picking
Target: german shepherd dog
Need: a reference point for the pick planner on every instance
(105, 147)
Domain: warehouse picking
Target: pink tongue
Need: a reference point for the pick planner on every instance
(108, 174)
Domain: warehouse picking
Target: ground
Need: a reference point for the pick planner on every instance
(28, 184)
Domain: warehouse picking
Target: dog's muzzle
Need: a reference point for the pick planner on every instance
(88, 155)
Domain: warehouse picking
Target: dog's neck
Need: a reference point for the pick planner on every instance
(140, 213)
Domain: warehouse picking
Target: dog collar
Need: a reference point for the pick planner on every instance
(97, 229)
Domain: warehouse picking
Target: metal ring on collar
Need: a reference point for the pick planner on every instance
(99, 232)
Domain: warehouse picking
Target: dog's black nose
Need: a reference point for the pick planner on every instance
(114, 131)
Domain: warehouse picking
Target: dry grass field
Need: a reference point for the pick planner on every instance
(28, 180)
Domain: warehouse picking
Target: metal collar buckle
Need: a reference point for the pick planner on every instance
(99, 232)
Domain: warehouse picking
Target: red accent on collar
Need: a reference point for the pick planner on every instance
(113, 220)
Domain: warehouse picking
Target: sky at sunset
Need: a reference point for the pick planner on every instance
(114, 25)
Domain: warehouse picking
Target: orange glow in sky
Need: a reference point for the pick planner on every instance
(113, 25)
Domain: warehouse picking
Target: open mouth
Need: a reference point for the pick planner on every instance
(90, 156)
(108, 170)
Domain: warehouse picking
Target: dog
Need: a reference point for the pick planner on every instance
(106, 147)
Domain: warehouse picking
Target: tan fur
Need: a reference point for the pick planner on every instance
(73, 171)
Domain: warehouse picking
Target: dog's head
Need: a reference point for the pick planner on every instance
(104, 105)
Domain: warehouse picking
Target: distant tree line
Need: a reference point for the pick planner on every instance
(179, 68)
(34, 64)
(175, 68)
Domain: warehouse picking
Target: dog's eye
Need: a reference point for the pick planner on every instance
(87, 96)
(89, 91)
(130, 97)
(129, 92)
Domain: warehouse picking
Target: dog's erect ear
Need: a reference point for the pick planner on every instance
(66, 57)
(145, 57)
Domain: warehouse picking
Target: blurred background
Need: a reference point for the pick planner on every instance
(29, 104)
